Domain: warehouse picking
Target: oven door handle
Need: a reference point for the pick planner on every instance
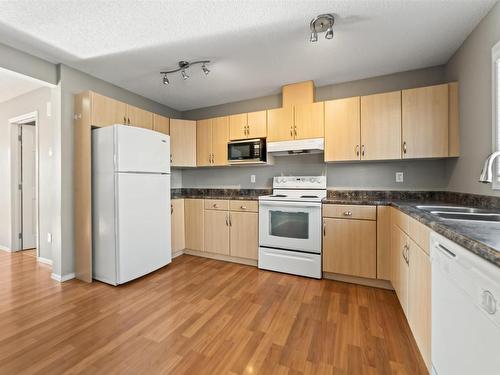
(289, 204)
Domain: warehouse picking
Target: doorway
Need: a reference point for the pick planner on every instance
(25, 183)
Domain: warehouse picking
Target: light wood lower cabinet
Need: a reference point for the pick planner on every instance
(244, 234)
(183, 143)
(349, 247)
(384, 242)
(194, 224)
(419, 300)
(177, 225)
(217, 232)
(411, 276)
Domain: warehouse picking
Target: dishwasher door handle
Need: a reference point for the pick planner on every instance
(446, 251)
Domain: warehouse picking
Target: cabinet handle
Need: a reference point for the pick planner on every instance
(215, 205)
(227, 224)
(291, 131)
(362, 150)
(243, 207)
(128, 120)
(404, 147)
(171, 209)
(357, 150)
(170, 158)
(124, 120)
(295, 130)
(230, 222)
(324, 229)
(347, 213)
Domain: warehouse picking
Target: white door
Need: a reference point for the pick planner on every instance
(290, 225)
(143, 224)
(28, 180)
(141, 150)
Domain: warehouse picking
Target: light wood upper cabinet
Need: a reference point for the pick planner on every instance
(381, 126)
(248, 125)
(194, 224)
(280, 124)
(349, 247)
(177, 225)
(139, 117)
(454, 120)
(183, 143)
(244, 234)
(343, 129)
(107, 111)
(217, 232)
(238, 126)
(309, 120)
(220, 138)
(257, 124)
(425, 122)
(419, 299)
(161, 124)
(204, 142)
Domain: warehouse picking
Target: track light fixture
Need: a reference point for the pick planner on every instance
(183, 66)
(321, 23)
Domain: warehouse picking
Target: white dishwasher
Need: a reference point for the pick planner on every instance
(465, 311)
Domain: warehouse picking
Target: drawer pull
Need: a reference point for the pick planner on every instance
(215, 205)
(347, 213)
(243, 207)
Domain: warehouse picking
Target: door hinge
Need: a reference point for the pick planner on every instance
(20, 186)
(20, 236)
(20, 138)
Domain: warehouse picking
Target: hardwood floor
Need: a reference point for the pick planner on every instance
(198, 316)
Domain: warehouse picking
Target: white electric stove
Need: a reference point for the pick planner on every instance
(290, 226)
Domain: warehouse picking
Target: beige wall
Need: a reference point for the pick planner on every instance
(33, 101)
(471, 66)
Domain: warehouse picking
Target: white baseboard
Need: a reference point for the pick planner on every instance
(63, 278)
(5, 248)
(44, 260)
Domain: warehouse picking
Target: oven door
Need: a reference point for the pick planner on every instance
(290, 225)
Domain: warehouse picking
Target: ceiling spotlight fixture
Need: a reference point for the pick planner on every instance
(320, 24)
(183, 66)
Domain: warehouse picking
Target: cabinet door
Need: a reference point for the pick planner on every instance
(384, 242)
(419, 300)
(139, 117)
(183, 143)
(399, 268)
(220, 138)
(107, 111)
(425, 122)
(257, 124)
(161, 124)
(280, 124)
(381, 126)
(204, 143)
(309, 120)
(244, 234)
(350, 247)
(342, 129)
(177, 228)
(217, 232)
(193, 224)
(238, 126)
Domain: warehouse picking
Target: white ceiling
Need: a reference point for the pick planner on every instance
(256, 45)
(14, 84)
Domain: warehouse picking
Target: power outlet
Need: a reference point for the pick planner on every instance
(399, 177)
(252, 178)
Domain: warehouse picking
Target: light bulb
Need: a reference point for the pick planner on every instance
(184, 75)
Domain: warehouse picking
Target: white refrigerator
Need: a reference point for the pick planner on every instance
(130, 202)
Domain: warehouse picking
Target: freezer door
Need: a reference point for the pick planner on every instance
(141, 150)
(143, 225)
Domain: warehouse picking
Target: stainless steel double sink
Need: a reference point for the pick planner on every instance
(462, 213)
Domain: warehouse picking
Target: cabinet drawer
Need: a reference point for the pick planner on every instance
(216, 204)
(419, 233)
(350, 211)
(244, 206)
(400, 219)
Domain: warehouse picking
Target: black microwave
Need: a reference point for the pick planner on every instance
(248, 150)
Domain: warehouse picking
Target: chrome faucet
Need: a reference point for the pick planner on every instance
(487, 172)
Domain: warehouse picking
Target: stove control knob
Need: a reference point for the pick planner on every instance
(313, 179)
